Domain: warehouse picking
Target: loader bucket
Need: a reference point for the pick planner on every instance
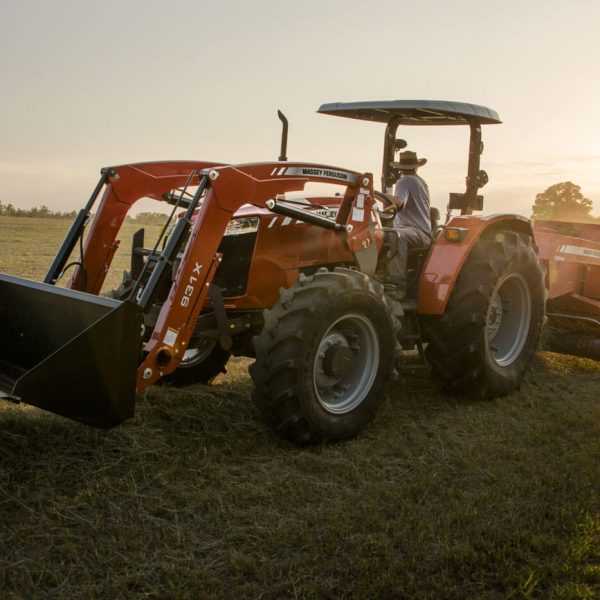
(68, 352)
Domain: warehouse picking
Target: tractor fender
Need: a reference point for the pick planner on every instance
(446, 258)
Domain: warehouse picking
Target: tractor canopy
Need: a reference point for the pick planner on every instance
(424, 112)
(413, 112)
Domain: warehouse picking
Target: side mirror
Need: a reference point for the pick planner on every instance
(481, 178)
(399, 144)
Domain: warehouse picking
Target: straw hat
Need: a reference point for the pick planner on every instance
(409, 161)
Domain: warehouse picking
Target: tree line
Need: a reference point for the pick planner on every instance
(562, 201)
(8, 210)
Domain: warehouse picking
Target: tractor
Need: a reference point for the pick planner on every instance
(245, 267)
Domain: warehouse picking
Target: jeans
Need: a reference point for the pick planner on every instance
(407, 237)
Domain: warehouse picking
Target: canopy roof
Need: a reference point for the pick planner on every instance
(413, 112)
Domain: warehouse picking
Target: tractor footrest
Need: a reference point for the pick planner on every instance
(411, 367)
(409, 305)
(402, 364)
(410, 336)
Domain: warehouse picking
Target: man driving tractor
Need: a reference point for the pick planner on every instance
(412, 221)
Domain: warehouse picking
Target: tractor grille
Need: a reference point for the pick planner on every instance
(232, 275)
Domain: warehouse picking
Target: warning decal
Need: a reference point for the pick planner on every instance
(579, 251)
(170, 337)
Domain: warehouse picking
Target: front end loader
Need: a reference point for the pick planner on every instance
(298, 282)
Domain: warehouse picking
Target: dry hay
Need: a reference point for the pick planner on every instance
(195, 497)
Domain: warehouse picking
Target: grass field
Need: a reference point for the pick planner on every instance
(28, 246)
(195, 497)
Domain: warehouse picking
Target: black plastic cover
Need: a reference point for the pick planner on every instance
(465, 202)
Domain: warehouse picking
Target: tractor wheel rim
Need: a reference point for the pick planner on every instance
(346, 363)
(194, 356)
(508, 319)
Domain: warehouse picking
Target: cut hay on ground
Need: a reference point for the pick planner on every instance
(439, 498)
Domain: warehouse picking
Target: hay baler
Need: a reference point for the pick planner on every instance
(570, 253)
(297, 283)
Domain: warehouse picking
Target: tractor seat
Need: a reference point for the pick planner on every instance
(416, 251)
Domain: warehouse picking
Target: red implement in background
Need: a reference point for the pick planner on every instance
(570, 253)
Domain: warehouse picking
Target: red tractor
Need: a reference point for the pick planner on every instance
(297, 283)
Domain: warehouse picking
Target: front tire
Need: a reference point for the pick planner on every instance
(325, 356)
(485, 341)
(200, 364)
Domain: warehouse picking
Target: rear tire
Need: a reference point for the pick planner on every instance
(486, 339)
(325, 356)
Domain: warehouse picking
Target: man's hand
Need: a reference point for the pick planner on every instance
(394, 202)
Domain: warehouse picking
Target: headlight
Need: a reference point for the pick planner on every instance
(242, 225)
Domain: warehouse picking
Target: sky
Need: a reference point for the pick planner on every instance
(90, 84)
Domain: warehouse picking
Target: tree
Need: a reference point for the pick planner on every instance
(562, 201)
(148, 218)
(7, 210)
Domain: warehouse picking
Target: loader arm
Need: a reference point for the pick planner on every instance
(227, 188)
(125, 185)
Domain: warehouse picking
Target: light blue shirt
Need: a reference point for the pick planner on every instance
(413, 190)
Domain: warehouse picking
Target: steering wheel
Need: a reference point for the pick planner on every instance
(385, 207)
